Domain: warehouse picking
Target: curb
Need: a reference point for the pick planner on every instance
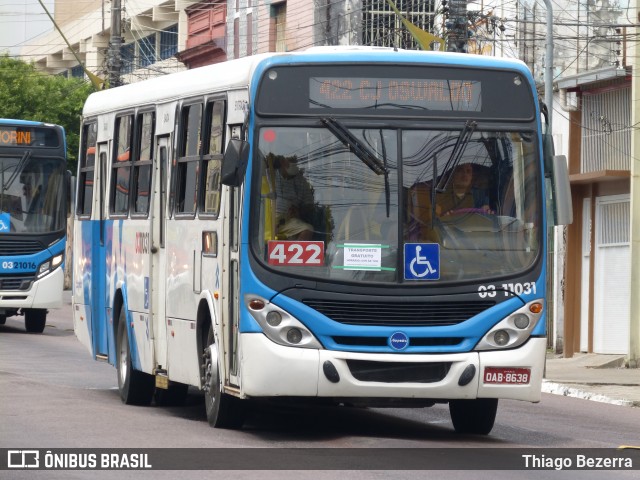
(567, 391)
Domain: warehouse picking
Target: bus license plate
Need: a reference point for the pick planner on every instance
(505, 375)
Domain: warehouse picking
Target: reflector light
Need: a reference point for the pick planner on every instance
(256, 304)
(535, 308)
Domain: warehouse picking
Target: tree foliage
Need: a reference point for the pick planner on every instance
(27, 94)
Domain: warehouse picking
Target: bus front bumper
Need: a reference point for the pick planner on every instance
(44, 293)
(268, 370)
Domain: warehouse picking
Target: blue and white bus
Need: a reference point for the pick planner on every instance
(276, 227)
(33, 219)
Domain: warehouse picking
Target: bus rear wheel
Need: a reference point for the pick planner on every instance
(473, 416)
(136, 388)
(35, 319)
(223, 410)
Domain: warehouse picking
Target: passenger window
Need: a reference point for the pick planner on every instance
(212, 160)
(87, 168)
(143, 162)
(121, 166)
(188, 160)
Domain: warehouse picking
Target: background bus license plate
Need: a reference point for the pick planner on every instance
(505, 375)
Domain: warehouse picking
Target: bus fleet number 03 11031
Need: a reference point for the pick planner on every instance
(491, 291)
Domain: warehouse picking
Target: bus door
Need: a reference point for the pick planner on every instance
(99, 314)
(158, 233)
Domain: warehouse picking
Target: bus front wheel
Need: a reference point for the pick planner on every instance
(136, 388)
(223, 410)
(35, 319)
(473, 416)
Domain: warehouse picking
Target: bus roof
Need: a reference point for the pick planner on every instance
(26, 123)
(235, 74)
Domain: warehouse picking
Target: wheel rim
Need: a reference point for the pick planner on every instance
(211, 382)
(124, 358)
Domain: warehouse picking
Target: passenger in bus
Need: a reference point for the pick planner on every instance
(293, 196)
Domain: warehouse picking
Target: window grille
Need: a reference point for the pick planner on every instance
(168, 42)
(383, 28)
(147, 50)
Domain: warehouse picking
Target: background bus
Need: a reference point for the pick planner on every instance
(295, 226)
(33, 219)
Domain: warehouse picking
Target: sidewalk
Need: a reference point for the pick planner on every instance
(601, 378)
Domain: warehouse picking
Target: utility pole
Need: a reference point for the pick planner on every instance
(114, 58)
(457, 26)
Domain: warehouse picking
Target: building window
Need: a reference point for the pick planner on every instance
(147, 50)
(277, 32)
(77, 72)
(128, 57)
(168, 42)
(381, 27)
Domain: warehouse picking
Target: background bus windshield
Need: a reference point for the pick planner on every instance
(33, 195)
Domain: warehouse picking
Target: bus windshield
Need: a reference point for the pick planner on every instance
(471, 194)
(33, 194)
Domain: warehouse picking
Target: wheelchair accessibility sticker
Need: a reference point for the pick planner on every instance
(421, 261)
(5, 222)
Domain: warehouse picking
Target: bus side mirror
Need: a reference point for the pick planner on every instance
(561, 191)
(234, 162)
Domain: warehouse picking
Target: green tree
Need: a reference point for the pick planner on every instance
(28, 94)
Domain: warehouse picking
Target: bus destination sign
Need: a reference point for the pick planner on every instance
(13, 136)
(395, 93)
(29, 136)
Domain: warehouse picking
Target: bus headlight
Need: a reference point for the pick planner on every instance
(278, 325)
(49, 265)
(513, 330)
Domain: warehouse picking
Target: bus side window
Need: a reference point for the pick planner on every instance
(86, 169)
(121, 166)
(188, 159)
(212, 159)
(142, 163)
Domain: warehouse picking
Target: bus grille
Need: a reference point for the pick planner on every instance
(394, 372)
(19, 247)
(408, 313)
(16, 283)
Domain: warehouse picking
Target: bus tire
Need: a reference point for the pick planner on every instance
(35, 319)
(223, 410)
(3, 319)
(136, 388)
(473, 416)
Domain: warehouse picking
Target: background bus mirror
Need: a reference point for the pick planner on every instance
(71, 191)
(234, 162)
(561, 191)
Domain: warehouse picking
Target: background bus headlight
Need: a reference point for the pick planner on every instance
(49, 265)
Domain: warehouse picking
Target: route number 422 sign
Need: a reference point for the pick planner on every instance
(295, 253)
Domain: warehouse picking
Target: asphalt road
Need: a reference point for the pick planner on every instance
(53, 395)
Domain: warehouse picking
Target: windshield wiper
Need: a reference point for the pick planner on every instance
(456, 154)
(363, 152)
(17, 171)
(343, 134)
